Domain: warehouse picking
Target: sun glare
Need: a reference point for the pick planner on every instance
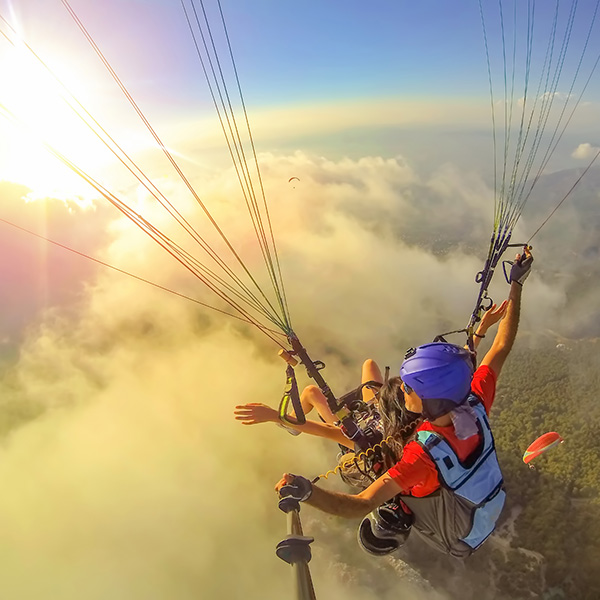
(37, 106)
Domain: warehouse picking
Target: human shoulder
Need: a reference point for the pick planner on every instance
(483, 386)
(484, 372)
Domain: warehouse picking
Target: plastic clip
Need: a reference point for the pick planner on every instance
(295, 549)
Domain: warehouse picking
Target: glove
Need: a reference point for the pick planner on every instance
(299, 489)
(521, 268)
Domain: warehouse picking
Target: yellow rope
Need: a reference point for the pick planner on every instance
(365, 453)
(355, 458)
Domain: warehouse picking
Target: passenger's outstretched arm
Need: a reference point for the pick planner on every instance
(507, 331)
(255, 413)
(490, 317)
(311, 398)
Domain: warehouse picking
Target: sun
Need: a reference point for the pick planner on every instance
(37, 114)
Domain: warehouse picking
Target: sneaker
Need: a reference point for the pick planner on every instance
(391, 519)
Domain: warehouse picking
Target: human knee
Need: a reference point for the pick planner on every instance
(311, 390)
(371, 371)
(370, 365)
(312, 394)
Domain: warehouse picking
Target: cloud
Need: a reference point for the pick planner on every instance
(124, 490)
(124, 474)
(585, 151)
(134, 481)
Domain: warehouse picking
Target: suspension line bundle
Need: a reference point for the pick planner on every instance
(240, 290)
(532, 112)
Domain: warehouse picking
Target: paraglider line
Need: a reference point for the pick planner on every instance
(129, 274)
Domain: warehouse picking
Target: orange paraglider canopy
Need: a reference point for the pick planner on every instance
(292, 178)
(543, 443)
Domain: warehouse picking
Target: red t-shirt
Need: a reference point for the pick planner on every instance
(415, 472)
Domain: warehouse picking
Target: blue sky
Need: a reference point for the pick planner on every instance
(293, 52)
(407, 77)
(333, 50)
(400, 48)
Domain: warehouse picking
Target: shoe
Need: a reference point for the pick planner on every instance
(390, 518)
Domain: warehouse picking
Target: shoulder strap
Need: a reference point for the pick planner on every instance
(451, 470)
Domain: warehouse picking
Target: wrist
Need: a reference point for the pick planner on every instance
(277, 418)
(516, 288)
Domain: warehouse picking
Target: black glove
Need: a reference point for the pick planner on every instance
(521, 268)
(299, 489)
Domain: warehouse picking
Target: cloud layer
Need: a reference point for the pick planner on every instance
(125, 475)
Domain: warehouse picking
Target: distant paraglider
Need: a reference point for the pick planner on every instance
(541, 445)
(292, 178)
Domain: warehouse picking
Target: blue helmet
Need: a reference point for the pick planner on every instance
(440, 374)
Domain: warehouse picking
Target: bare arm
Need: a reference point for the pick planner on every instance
(325, 430)
(254, 413)
(507, 331)
(349, 505)
(490, 317)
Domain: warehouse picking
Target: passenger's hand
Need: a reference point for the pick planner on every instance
(254, 413)
(521, 267)
(492, 316)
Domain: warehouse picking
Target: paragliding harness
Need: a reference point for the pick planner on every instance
(361, 469)
(359, 421)
(463, 513)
